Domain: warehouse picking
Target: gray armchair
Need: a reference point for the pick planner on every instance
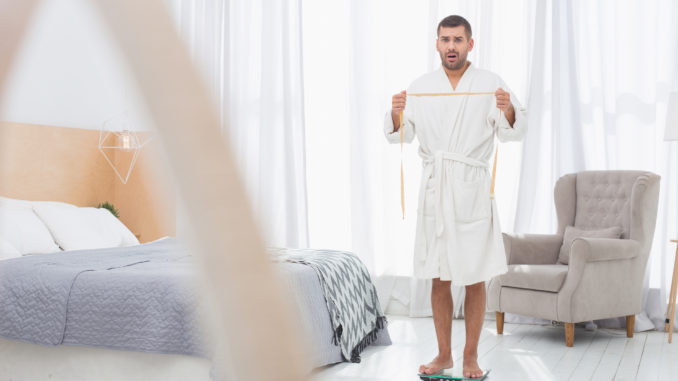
(604, 276)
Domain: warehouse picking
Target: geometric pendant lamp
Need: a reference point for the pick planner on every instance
(120, 146)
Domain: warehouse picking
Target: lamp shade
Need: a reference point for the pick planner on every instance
(671, 132)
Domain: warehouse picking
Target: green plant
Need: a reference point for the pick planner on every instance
(110, 207)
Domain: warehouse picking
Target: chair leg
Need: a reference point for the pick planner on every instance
(630, 325)
(569, 334)
(500, 323)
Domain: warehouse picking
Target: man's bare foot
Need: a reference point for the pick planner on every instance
(439, 363)
(471, 368)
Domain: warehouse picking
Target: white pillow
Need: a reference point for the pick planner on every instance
(11, 202)
(84, 228)
(7, 251)
(571, 233)
(24, 231)
(114, 224)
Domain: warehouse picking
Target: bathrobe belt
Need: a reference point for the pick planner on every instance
(435, 163)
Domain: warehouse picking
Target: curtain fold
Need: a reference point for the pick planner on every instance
(250, 56)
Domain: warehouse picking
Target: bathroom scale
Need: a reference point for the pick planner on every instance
(451, 374)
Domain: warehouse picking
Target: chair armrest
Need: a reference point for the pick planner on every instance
(532, 249)
(603, 274)
(603, 249)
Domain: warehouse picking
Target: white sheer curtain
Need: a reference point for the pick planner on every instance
(250, 56)
(356, 54)
(598, 101)
(593, 75)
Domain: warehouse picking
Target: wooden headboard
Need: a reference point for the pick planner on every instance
(47, 163)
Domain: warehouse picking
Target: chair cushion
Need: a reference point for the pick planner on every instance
(572, 233)
(535, 277)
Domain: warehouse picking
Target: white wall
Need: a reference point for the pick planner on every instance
(69, 72)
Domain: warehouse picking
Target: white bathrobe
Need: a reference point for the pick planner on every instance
(458, 236)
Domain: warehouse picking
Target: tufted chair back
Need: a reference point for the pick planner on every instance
(601, 199)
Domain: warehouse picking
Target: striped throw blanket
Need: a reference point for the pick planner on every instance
(350, 295)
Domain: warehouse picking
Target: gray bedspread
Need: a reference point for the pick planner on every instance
(137, 298)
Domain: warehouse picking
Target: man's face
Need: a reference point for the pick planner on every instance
(453, 46)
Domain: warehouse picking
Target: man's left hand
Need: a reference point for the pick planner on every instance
(503, 99)
(504, 104)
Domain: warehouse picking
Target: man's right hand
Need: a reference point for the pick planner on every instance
(397, 106)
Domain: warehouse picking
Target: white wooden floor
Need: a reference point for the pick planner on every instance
(523, 352)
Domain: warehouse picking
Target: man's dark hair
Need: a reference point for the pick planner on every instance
(454, 21)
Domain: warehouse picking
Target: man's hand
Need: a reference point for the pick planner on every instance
(504, 104)
(503, 99)
(397, 106)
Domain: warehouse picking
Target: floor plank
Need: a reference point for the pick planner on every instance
(650, 357)
(611, 358)
(574, 355)
(588, 364)
(668, 362)
(630, 361)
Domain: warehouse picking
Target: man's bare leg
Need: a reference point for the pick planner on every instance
(441, 301)
(474, 315)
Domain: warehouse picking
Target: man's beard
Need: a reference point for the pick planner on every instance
(461, 61)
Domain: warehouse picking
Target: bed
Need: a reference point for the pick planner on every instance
(124, 310)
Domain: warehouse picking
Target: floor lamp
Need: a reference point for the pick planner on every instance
(671, 133)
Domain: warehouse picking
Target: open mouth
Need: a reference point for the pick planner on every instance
(452, 57)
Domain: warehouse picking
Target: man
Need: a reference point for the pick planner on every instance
(458, 239)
